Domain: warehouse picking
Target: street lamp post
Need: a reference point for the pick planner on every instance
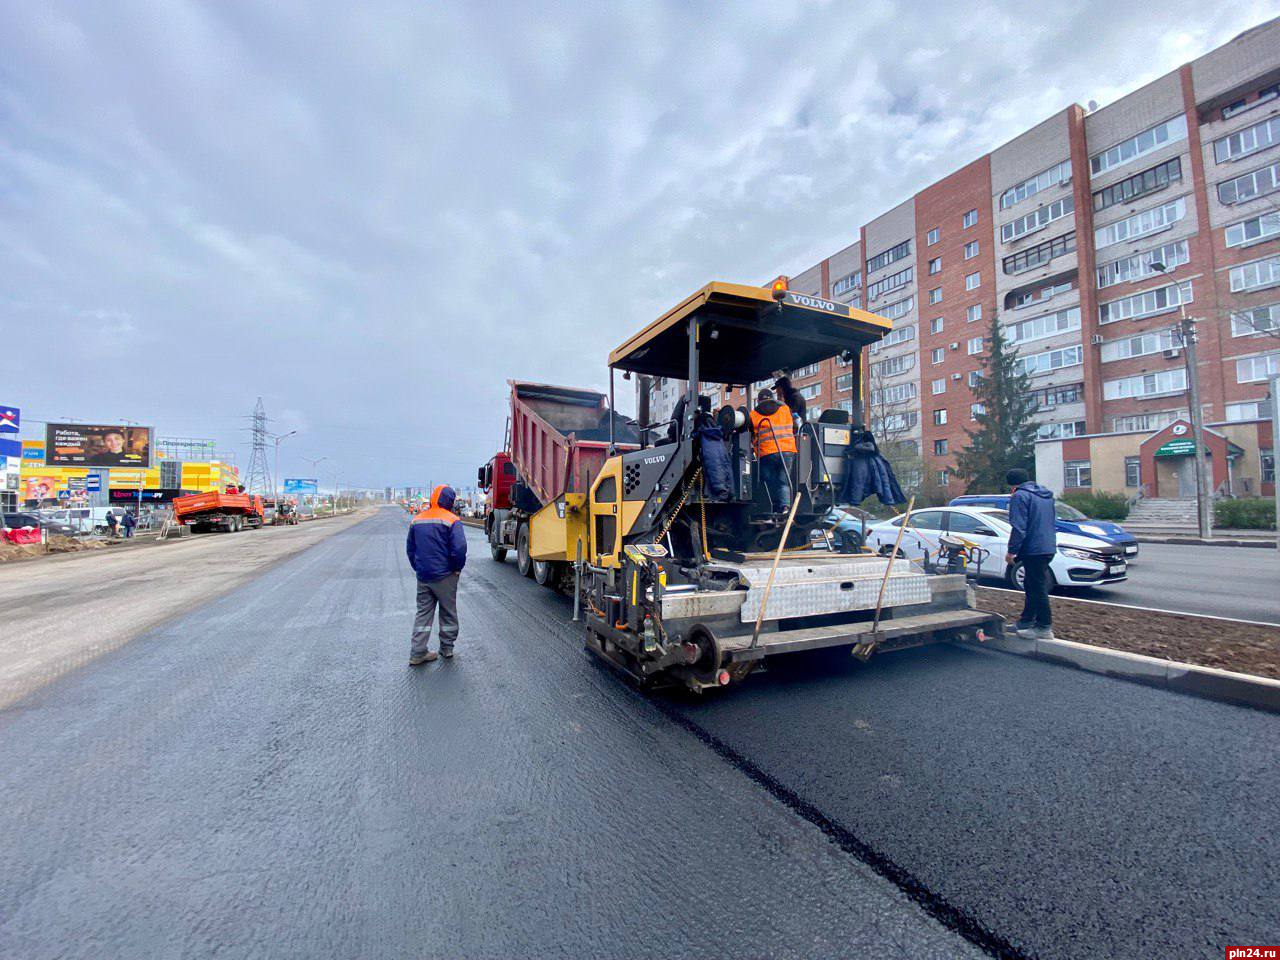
(315, 462)
(275, 482)
(1186, 326)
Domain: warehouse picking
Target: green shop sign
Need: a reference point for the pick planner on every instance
(1184, 447)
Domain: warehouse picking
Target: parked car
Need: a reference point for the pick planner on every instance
(16, 521)
(1070, 520)
(844, 526)
(1081, 561)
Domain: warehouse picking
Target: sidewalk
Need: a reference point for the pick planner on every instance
(1221, 538)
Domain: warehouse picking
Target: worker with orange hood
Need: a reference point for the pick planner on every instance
(437, 548)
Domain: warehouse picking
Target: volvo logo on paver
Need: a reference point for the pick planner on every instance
(804, 300)
(661, 458)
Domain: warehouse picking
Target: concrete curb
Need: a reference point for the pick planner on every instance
(1243, 689)
(1216, 542)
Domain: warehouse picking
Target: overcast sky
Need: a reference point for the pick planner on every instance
(372, 214)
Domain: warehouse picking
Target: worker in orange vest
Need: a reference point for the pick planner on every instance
(775, 448)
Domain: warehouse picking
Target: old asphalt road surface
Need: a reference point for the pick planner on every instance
(264, 776)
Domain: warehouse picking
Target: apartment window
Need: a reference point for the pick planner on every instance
(944, 477)
(1146, 385)
(899, 308)
(932, 236)
(1058, 173)
(1255, 275)
(1253, 230)
(1060, 431)
(939, 386)
(1050, 360)
(899, 393)
(844, 382)
(1255, 320)
(1077, 473)
(1133, 471)
(892, 282)
(850, 281)
(970, 219)
(937, 355)
(1139, 185)
(810, 392)
(1029, 298)
(1236, 412)
(1037, 328)
(897, 335)
(887, 368)
(1142, 345)
(976, 410)
(1037, 219)
(1040, 254)
(1247, 186)
(892, 255)
(935, 266)
(1249, 140)
(940, 449)
(1146, 304)
(1058, 396)
(1138, 266)
(1145, 422)
(975, 378)
(1141, 224)
(939, 418)
(1268, 461)
(971, 249)
(973, 281)
(845, 405)
(935, 325)
(897, 422)
(1253, 369)
(1243, 104)
(1148, 140)
(806, 371)
(935, 295)
(975, 346)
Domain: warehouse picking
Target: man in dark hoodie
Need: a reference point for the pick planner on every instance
(775, 435)
(437, 549)
(1032, 543)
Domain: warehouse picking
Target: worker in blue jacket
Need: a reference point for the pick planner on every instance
(1033, 543)
(437, 549)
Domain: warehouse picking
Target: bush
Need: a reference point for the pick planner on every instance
(1099, 506)
(1247, 514)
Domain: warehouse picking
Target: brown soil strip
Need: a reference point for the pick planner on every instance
(1204, 641)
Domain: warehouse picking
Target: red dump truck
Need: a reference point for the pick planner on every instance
(558, 438)
(229, 511)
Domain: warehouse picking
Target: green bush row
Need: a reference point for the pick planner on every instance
(1250, 514)
(1099, 506)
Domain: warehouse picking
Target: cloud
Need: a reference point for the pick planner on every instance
(373, 215)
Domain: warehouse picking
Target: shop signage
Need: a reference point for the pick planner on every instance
(10, 418)
(1177, 448)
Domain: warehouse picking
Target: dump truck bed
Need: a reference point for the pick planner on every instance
(202, 504)
(560, 437)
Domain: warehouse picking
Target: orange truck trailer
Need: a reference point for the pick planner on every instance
(230, 512)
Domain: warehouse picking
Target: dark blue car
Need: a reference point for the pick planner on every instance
(1070, 520)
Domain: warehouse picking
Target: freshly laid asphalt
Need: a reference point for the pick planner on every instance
(265, 776)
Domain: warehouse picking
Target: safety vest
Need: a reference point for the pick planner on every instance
(774, 433)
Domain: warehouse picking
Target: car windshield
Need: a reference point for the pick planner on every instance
(1066, 511)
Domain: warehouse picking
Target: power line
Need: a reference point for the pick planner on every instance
(258, 476)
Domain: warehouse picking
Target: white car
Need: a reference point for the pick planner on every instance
(1080, 561)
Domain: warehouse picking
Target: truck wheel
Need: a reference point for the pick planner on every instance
(498, 553)
(544, 572)
(524, 562)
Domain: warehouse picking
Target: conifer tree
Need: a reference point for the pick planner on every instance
(1004, 434)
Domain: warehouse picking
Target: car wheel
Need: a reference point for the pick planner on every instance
(1016, 576)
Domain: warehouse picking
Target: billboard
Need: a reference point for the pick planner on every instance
(10, 419)
(97, 445)
(301, 486)
(40, 488)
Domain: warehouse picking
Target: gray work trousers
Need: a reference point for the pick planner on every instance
(441, 593)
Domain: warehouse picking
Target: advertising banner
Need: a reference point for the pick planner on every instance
(149, 494)
(40, 488)
(296, 485)
(32, 450)
(10, 418)
(97, 445)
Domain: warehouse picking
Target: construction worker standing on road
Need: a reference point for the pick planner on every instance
(437, 549)
(775, 447)
(1033, 542)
